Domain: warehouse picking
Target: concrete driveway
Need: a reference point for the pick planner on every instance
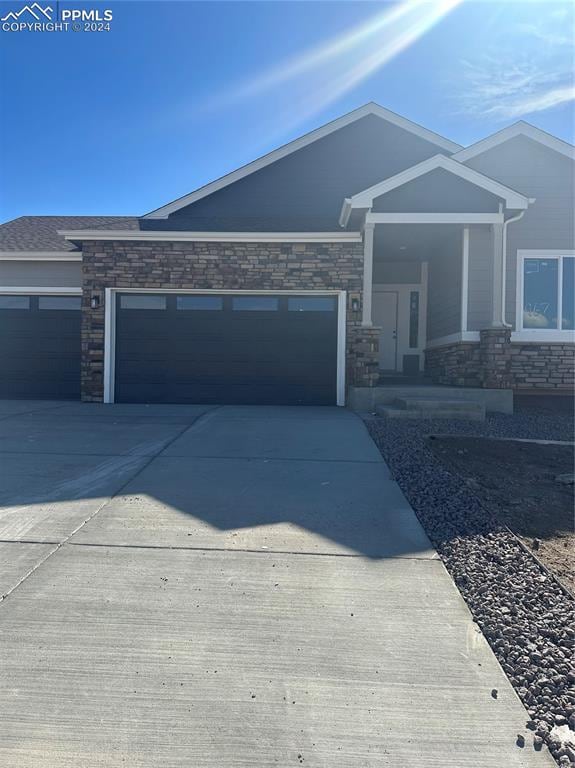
(237, 586)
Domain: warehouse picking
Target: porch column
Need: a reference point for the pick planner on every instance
(367, 274)
(464, 278)
(498, 298)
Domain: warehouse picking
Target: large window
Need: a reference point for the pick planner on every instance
(548, 293)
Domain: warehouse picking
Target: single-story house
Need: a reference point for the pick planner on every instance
(367, 248)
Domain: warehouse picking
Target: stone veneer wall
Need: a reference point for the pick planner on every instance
(217, 266)
(458, 365)
(362, 361)
(498, 363)
(543, 366)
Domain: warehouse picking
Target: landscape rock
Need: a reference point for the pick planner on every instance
(527, 617)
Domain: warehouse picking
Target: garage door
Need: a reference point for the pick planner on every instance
(40, 347)
(226, 349)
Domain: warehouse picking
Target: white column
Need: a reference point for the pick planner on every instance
(497, 314)
(464, 278)
(367, 274)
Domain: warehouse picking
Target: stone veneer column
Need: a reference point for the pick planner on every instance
(362, 359)
(495, 358)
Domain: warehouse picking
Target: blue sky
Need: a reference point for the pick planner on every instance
(179, 93)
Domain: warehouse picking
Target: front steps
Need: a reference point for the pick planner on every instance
(367, 399)
(432, 408)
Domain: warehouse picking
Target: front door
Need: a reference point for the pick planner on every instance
(385, 316)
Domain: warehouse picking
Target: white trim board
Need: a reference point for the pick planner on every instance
(365, 198)
(434, 218)
(543, 336)
(464, 279)
(548, 336)
(110, 327)
(39, 290)
(351, 117)
(520, 128)
(40, 256)
(452, 338)
(212, 237)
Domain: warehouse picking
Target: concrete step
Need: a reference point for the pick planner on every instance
(437, 404)
(432, 408)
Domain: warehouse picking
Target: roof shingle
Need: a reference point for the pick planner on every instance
(40, 233)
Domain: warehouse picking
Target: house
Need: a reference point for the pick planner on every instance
(370, 246)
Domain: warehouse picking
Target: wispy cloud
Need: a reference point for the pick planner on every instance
(528, 69)
(510, 90)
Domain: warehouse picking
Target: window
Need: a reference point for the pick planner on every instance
(255, 303)
(199, 302)
(548, 293)
(142, 301)
(311, 304)
(60, 302)
(14, 302)
(413, 319)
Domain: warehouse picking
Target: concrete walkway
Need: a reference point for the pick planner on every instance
(204, 587)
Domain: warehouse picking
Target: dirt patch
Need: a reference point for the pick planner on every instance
(516, 482)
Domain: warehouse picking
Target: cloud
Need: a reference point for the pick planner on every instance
(510, 90)
(529, 69)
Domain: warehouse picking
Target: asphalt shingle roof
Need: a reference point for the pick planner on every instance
(40, 233)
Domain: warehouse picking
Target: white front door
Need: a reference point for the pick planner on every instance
(385, 316)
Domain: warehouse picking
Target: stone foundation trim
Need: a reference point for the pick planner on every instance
(502, 364)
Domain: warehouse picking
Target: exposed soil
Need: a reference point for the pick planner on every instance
(517, 482)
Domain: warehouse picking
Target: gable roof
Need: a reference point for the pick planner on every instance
(40, 233)
(365, 198)
(521, 128)
(368, 109)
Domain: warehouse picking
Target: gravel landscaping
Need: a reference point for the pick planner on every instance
(527, 616)
(528, 486)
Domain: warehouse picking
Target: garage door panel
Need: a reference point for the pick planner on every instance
(235, 352)
(40, 350)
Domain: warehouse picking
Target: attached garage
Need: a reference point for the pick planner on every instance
(40, 346)
(226, 348)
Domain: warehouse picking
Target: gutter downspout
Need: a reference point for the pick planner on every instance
(504, 268)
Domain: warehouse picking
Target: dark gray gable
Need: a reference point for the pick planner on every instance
(437, 192)
(304, 191)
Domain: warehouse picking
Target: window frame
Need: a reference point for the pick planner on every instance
(541, 334)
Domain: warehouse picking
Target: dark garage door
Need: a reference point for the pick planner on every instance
(226, 349)
(40, 347)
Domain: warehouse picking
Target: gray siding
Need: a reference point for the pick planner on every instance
(305, 190)
(480, 296)
(444, 289)
(399, 272)
(44, 274)
(540, 172)
(437, 192)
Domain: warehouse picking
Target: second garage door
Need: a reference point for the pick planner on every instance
(40, 346)
(208, 348)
